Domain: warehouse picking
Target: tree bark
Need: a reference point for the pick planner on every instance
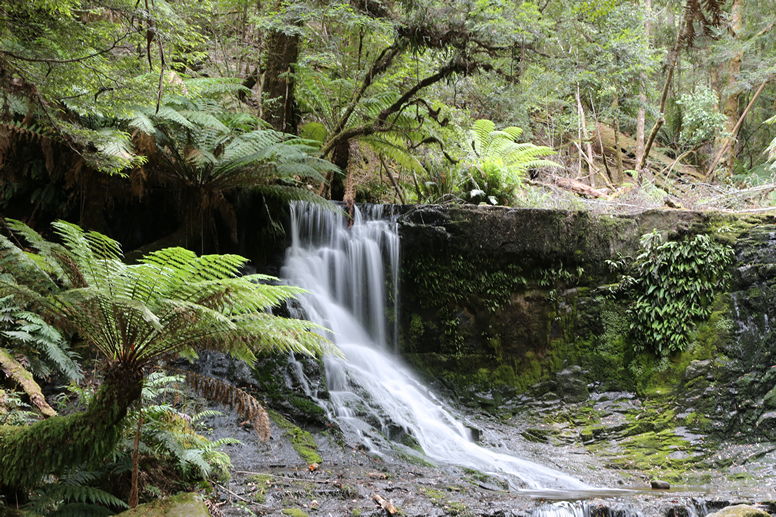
(52, 446)
(641, 117)
(278, 102)
(730, 94)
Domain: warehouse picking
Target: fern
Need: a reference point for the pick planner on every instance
(25, 333)
(72, 494)
(171, 302)
(497, 163)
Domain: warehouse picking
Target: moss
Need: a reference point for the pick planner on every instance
(698, 422)
(413, 459)
(436, 496)
(263, 484)
(306, 406)
(294, 512)
(180, 505)
(649, 444)
(439, 498)
(477, 478)
(301, 440)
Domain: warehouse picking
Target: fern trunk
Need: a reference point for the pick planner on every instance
(52, 446)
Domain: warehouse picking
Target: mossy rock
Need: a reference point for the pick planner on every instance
(181, 505)
(293, 512)
(740, 510)
(302, 441)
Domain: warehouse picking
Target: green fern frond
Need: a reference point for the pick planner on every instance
(392, 148)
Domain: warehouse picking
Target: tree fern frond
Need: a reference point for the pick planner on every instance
(388, 146)
(23, 268)
(84, 494)
(245, 404)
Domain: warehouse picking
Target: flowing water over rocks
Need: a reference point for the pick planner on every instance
(371, 392)
(396, 437)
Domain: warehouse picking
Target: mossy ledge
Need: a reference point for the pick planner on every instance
(497, 302)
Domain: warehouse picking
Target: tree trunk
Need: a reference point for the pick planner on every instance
(50, 447)
(278, 101)
(341, 158)
(585, 140)
(641, 117)
(730, 94)
(671, 61)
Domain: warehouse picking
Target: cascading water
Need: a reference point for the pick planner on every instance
(372, 392)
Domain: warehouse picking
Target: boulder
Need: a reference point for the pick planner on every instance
(186, 504)
(739, 510)
(571, 384)
(767, 423)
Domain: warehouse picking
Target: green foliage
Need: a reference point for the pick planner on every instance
(201, 144)
(171, 454)
(772, 146)
(672, 285)
(172, 302)
(74, 494)
(497, 163)
(79, 64)
(701, 122)
(25, 333)
(169, 433)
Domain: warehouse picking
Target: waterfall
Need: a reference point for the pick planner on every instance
(372, 393)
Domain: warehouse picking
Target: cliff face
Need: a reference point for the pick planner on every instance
(496, 302)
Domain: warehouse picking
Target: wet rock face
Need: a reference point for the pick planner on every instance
(748, 382)
(504, 299)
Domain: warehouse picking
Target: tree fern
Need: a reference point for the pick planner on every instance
(171, 302)
(497, 163)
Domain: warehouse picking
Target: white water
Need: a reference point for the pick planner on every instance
(372, 391)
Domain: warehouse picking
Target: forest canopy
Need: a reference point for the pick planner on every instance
(638, 104)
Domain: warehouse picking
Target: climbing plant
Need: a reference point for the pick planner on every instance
(671, 287)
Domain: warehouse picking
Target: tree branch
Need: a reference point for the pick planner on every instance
(64, 61)
(379, 66)
(379, 124)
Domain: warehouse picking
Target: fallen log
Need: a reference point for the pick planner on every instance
(578, 187)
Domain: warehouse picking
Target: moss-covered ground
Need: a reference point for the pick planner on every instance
(302, 441)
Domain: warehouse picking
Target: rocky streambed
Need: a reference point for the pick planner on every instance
(601, 441)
